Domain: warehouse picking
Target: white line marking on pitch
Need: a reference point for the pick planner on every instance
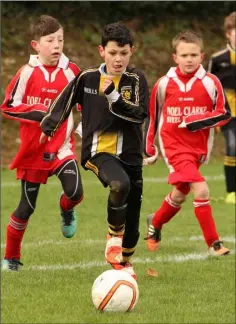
(53, 242)
(230, 239)
(87, 182)
(93, 264)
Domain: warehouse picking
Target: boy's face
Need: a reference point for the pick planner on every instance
(49, 47)
(188, 57)
(115, 57)
(231, 35)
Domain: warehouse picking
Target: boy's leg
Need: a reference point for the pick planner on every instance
(18, 223)
(229, 132)
(115, 176)
(132, 216)
(134, 202)
(111, 173)
(169, 208)
(69, 175)
(203, 212)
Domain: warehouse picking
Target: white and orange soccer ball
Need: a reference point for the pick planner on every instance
(115, 291)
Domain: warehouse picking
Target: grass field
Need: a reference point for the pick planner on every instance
(54, 285)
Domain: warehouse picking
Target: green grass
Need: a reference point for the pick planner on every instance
(186, 291)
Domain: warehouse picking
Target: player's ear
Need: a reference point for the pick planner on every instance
(132, 50)
(101, 51)
(202, 56)
(174, 58)
(35, 45)
(227, 35)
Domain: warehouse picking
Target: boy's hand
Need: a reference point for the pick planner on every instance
(109, 90)
(108, 86)
(43, 138)
(182, 125)
(151, 159)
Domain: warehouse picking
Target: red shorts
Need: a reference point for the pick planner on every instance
(186, 171)
(35, 176)
(40, 176)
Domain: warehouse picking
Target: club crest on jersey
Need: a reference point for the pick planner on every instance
(126, 92)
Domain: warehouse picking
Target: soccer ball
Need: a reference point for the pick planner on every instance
(115, 291)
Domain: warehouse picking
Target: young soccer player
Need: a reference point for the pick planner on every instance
(28, 96)
(114, 100)
(185, 105)
(223, 65)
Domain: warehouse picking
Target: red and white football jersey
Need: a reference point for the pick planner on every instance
(199, 101)
(27, 98)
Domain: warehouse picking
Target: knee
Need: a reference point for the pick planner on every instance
(120, 187)
(176, 197)
(178, 200)
(202, 193)
(74, 195)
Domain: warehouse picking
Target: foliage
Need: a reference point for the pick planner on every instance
(107, 11)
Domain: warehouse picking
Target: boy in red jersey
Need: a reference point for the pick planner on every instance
(27, 99)
(185, 105)
(223, 65)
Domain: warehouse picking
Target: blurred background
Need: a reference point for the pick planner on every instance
(153, 24)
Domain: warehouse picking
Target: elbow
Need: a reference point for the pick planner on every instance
(142, 117)
(225, 121)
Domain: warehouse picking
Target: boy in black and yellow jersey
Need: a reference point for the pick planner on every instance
(114, 100)
(223, 65)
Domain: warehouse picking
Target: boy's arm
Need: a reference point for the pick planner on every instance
(134, 110)
(150, 127)
(219, 116)
(12, 106)
(61, 107)
(76, 71)
(212, 66)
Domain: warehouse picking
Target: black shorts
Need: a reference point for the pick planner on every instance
(114, 164)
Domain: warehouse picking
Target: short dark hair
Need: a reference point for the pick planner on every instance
(187, 36)
(44, 26)
(116, 32)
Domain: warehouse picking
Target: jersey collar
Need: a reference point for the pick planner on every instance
(102, 69)
(200, 73)
(63, 61)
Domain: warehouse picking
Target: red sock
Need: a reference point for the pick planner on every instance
(15, 232)
(204, 216)
(67, 204)
(167, 210)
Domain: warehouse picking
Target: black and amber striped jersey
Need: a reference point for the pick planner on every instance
(110, 126)
(223, 65)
